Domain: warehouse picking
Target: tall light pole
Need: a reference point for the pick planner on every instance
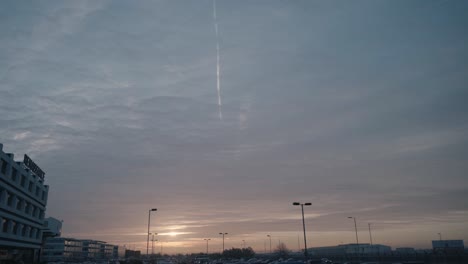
(243, 243)
(370, 234)
(355, 228)
(440, 236)
(149, 220)
(207, 239)
(223, 234)
(270, 242)
(303, 225)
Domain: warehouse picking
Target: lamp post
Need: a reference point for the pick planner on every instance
(243, 243)
(440, 236)
(223, 234)
(207, 239)
(370, 233)
(355, 228)
(303, 225)
(149, 220)
(270, 242)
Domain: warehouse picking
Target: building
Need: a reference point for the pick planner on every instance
(351, 249)
(23, 200)
(448, 246)
(132, 254)
(405, 251)
(71, 249)
(52, 227)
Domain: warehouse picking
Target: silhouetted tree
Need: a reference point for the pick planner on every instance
(282, 251)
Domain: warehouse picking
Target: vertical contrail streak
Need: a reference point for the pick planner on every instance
(218, 84)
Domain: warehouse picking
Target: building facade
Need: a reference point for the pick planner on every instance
(351, 249)
(71, 249)
(448, 246)
(23, 201)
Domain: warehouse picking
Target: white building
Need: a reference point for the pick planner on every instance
(23, 200)
(71, 249)
(352, 249)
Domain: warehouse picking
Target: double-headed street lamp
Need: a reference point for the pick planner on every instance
(303, 225)
(223, 234)
(207, 239)
(149, 220)
(269, 236)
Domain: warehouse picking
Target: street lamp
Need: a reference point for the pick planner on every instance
(370, 234)
(207, 239)
(149, 220)
(355, 228)
(243, 243)
(440, 236)
(223, 234)
(303, 225)
(270, 242)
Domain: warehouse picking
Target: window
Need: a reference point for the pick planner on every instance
(4, 166)
(13, 174)
(23, 180)
(15, 227)
(19, 204)
(37, 190)
(30, 188)
(5, 225)
(34, 210)
(43, 195)
(9, 199)
(23, 232)
(27, 208)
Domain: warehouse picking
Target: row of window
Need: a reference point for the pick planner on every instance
(31, 187)
(20, 204)
(15, 228)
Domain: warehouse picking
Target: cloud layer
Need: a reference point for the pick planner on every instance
(357, 107)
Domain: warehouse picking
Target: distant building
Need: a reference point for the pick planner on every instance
(23, 200)
(52, 227)
(405, 250)
(71, 249)
(448, 246)
(132, 254)
(348, 249)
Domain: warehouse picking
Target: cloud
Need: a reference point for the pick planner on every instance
(117, 103)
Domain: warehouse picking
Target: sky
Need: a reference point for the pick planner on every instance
(358, 107)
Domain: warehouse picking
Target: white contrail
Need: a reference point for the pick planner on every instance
(218, 84)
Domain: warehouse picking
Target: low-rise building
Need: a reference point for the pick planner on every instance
(71, 249)
(405, 250)
(448, 246)
(351, 249)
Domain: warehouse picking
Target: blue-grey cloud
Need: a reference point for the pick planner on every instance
(358, 107)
